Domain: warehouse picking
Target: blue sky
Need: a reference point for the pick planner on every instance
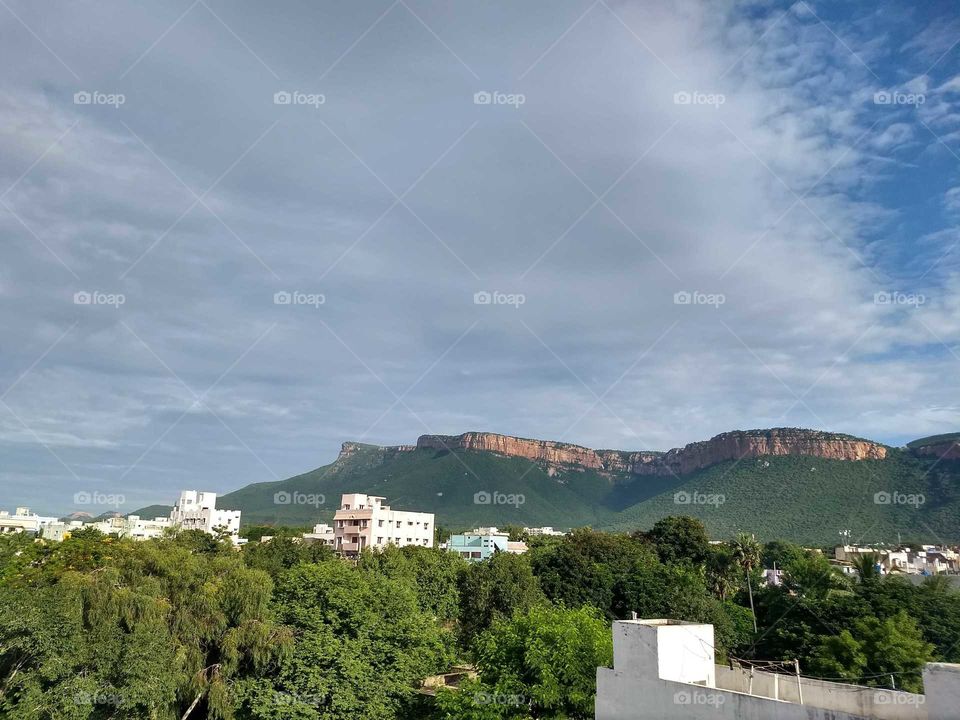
(792, 169)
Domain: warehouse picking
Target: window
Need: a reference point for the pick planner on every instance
(379, 541)
(379, 523)
(410, 523)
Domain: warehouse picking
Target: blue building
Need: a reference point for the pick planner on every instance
(479, 544)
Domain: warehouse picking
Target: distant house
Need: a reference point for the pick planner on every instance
(363, 521)
(323, 534)
(482, 543)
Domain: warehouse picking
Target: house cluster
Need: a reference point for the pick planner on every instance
(194, 510)
(360, 522)
(928, 560)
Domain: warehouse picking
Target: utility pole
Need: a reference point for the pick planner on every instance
(796, 667)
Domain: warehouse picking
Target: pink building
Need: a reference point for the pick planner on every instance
(363, 521)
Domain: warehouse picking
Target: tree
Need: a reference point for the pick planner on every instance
(494, 589)
(541, 663)
(363, 645)
(814, 577)
(156, 632)
(680, 538)
(282, 553)
(723, 573)
(781, 553)
(746, 553)
(584, 567)
(875, 651)
(435, 574)
(866, 567)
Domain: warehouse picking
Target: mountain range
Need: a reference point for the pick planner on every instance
(789, 483)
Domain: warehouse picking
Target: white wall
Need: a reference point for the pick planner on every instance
(664, 670)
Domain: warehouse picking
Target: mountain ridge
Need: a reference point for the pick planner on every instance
(797, 484)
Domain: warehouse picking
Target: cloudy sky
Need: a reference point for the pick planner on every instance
(236, 234)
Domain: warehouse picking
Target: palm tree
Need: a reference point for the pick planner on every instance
(747, 553)
(866, 567)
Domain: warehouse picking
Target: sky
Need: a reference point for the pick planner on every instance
(234, 235)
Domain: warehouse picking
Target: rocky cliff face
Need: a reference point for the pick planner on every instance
(727, 446)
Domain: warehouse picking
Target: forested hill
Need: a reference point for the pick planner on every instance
(852, 484)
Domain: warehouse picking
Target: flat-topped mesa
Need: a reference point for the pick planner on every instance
(696, 456)
(548, 452)
(776, 441)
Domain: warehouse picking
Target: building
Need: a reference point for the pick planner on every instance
(664, 670)
(60, 531)
(322, 533)
(545, 530)
(132, 526)
(197, 510)
(482, 543)
(478, 544)
(929, 560)
(363, 521)
(23, 520)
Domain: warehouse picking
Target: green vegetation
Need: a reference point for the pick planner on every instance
(189, 628)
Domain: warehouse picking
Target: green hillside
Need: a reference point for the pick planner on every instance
(804, 499)
(442, 482)
(811, 500)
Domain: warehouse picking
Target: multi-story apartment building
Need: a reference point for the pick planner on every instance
(197, 510)
(363, 521)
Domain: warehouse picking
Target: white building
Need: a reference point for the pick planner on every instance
(60, 531)
(23, 520)
(322, 533)
(363, 521)
(133, 526)
(197, 510)
(664, 670)
(545, 530)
